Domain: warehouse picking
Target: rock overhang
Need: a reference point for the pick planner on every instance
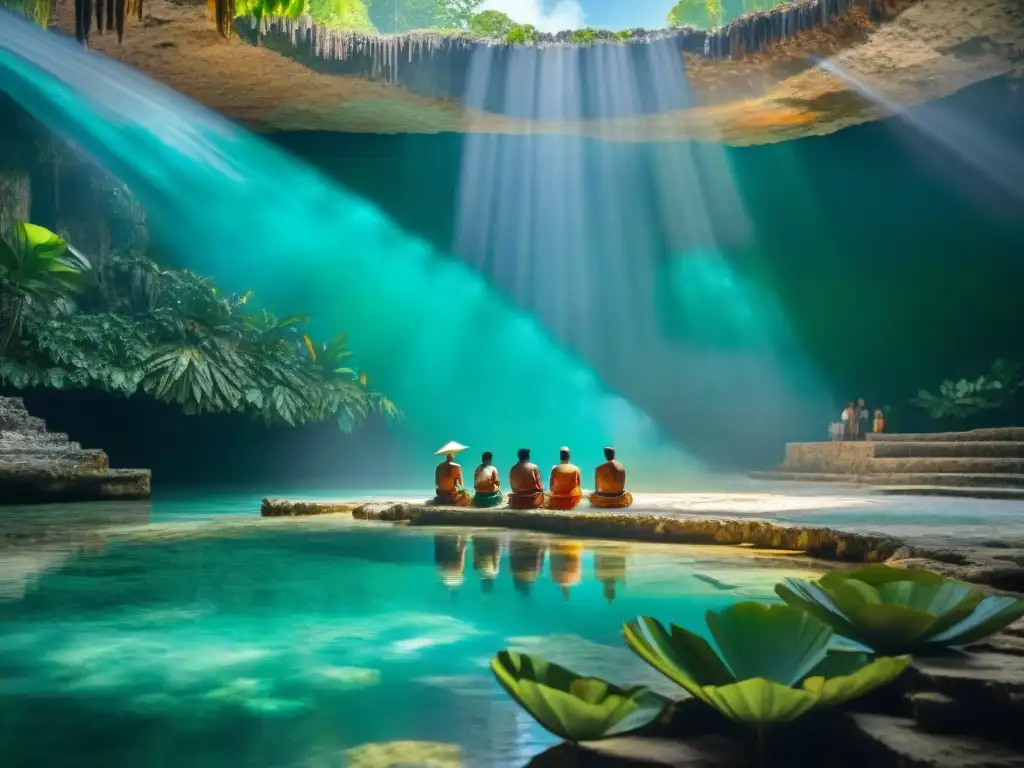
(753, 81)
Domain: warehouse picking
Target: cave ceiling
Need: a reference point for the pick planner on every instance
(916, 51)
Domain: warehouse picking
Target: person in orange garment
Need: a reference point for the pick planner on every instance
(449, 485)
(527, 490)
(565, 491)
(610, 484)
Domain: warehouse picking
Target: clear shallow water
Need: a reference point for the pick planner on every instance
(291, 643)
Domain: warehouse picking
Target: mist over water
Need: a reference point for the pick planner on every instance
(459, 360)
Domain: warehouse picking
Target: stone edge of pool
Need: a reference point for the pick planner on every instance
(997, 567)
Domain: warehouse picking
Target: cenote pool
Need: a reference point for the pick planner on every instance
(190, 635)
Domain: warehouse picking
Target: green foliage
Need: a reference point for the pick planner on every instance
(774, 666)
(966, 398)
(257, 9)
(490, 24)
(583, 36)
(456, 14)
(703, 14)
(395, 16)
(892, 610)
(522, 34)
(570, 706)
(342, 14)
(170, 334)
(38, 270)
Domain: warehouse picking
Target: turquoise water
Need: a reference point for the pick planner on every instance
(169, 634)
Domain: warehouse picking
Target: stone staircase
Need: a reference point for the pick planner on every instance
(37, 466)
(981, 462)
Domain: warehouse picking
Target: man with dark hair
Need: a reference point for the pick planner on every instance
(527, 490)
(565, 483)
(610, 484)
(487, 483)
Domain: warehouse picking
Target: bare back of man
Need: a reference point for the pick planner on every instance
(610, 478)
(448, 477)
(524, 478)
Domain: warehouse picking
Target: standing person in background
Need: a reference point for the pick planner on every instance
(864, 419)
(851, 421)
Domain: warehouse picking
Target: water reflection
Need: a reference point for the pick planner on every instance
(487, 560)
(526, 559)
(566, 564)
(450, 558)
(610, 570)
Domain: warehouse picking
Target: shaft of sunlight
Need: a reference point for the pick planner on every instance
(457, 358)
(636, 256)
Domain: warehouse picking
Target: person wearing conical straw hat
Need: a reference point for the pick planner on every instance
(610, 484)
(564, 485)
(487, 483)
(566, 563)
(450, 488)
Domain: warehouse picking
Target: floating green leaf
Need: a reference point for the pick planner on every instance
(774, 665)
(895, 610)
(573, 707)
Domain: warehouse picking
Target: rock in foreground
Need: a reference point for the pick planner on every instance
(38, 466)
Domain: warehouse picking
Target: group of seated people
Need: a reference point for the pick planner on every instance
(526, 487)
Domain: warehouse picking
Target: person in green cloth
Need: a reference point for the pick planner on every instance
(487, 483)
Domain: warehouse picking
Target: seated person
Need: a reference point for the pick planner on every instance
(450, 489)
(565, 488)
(527, 491)
(610, 484)
(487, 483)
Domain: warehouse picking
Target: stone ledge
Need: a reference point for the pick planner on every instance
(67, 484)
(286, 508)
(982, 483)
(823, 543)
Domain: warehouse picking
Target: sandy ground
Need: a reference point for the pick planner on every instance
(932, 49)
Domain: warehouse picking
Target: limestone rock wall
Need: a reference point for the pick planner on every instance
(38, 466)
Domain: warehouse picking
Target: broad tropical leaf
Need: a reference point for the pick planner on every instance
(773, 665)
(571, 706)
(895, 610)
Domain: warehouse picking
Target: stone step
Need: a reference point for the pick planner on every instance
(934, 480)
(58, 484)
(37, 446)
(960, 465)
(898, 741)
(21, 423)
(998, 434)
(895, 449)
(8, 436)
(41, 459)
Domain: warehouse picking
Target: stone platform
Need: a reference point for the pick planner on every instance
(987, 463)
(38, 466)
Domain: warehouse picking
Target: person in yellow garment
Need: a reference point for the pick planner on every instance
(450, 488)
(527, 491)
(565, 491)
(610, 484)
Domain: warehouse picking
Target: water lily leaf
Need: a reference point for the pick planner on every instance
(760, 702)
(774, 642)
(992, 614)
(682, 656)
(571, 706)
(838, 689)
